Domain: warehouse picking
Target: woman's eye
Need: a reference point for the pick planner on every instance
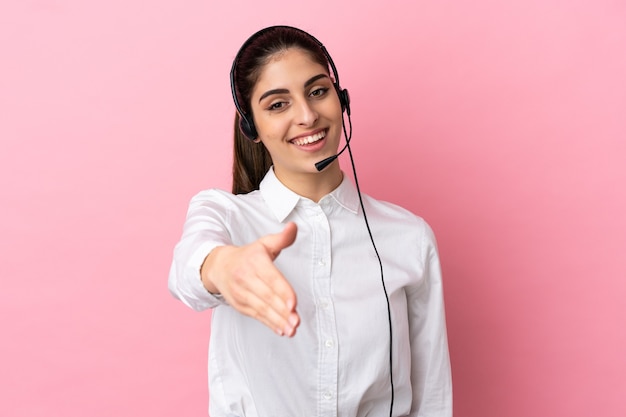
(277, 106)
(318, 92)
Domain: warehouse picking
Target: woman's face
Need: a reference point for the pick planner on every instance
(297, 114)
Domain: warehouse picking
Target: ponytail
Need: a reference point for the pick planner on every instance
(251, 161)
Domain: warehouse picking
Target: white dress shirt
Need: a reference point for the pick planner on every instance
(337, 364)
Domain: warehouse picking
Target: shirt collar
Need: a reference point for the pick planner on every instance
(281, 200)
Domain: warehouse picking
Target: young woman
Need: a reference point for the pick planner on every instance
(325, 302)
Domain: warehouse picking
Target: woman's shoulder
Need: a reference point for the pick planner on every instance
(393, 210)
(394, 214)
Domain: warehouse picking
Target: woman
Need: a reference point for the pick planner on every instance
(349, 319)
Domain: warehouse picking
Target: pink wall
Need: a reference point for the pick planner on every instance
(502, 123)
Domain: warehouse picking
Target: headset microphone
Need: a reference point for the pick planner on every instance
(325, 162)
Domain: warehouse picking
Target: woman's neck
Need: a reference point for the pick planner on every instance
(313, 185)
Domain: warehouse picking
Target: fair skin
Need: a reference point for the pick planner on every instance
(298, 118)
(294, 102)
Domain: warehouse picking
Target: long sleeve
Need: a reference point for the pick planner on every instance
(431, 377)
(204, 229)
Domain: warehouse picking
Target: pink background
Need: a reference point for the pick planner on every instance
(502, 123)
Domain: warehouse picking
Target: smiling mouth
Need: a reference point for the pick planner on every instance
(307, 140)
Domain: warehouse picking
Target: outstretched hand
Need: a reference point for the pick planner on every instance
(250, 282)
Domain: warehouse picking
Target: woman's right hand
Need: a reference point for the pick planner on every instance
(250, 282)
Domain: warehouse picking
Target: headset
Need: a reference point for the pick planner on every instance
(246, 125)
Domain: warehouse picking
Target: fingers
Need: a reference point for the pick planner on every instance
(258, 308)
(267, 296)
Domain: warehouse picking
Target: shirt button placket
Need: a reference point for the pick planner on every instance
(328, 360)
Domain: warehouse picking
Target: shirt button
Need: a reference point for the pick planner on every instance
(321, 262)
(329, 343)
(328, 395)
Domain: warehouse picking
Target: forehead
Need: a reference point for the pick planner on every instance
(288, 67)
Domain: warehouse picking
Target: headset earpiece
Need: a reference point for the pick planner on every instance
(247, 127)
(344, 99)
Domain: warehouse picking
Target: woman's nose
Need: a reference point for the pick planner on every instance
(307, 115)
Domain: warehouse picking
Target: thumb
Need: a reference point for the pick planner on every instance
(279, 241)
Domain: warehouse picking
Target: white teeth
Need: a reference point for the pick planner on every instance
(309, 139)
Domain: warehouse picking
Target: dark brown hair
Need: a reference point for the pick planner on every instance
(251, 160)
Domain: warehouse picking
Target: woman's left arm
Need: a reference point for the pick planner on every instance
(431, 377)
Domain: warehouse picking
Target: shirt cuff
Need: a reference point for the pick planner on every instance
(196, 287)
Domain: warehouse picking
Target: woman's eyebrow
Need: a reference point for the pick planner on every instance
(313, 79)
(285, 91)
(275, 91)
